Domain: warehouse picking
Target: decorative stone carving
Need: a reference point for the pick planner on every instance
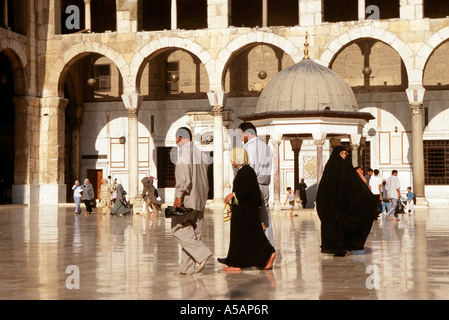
(416, 108)
(133, 113)
(207, 137)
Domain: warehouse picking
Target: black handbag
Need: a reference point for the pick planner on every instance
(171, 212)
(93, 203)
(400, 207)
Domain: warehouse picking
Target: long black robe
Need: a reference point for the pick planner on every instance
(249, 247)
(345, 205)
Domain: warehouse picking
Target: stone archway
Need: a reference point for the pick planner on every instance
(138, 60)
(18, 113)
(55, 87)
(236, 45)
(404, 50)
(75, 79)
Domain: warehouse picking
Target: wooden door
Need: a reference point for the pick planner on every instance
(95, 176)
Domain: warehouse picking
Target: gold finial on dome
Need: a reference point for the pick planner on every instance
(306, 50)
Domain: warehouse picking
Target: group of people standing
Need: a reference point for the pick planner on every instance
(389, 193)
(112, 197)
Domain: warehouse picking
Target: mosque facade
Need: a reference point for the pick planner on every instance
(92, 88)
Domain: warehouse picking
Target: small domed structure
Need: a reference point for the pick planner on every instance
(306, 86)
(307, 101)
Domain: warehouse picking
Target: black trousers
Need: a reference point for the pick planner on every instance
(88, 205)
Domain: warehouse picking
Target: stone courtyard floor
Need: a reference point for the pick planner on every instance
(49, 253)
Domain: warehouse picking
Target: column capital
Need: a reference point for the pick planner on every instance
(296, 145)
(217, 110)
(319, 138)
(319, 142)
(26, 101)
(416, 108)
(276, 139)
(132, 103)
(54, 102)
(133, 113)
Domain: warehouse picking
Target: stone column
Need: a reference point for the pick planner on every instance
(355, 145)
(127, 16)
(296, 147)
(218, 101)
(411, 9)
(174, 15)
(310, 12)
(52, 150)
(132, 104)
(362, 9)
(218, 14)
(264, 13)
(26, 151)
(5, 14)
(276, 140)
(319, 139)
(418, 154)
(87, 15)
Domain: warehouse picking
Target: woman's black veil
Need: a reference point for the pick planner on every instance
(345, 205)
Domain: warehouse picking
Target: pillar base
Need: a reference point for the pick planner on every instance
(25, 194)
(51, 194)
(421, 202)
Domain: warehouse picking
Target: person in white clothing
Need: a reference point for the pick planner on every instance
(260, 159)
(393, 193)
(375, 185)
(77, 190)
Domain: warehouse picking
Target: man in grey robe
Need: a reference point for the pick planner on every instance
(260, 159)
(191, 191)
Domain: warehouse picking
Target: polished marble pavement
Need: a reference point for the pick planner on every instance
(49, 253)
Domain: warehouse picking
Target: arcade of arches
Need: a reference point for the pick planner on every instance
(106, 100)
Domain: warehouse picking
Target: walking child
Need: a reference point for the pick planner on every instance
(291, 200)
(410, 200)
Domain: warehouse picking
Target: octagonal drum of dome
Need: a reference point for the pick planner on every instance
(306, 86)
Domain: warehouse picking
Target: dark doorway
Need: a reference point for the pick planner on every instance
(95, 176)
(6, 130)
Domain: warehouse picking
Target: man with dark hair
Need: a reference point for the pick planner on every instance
(191, 191)
(248, 127)
(260, 159)
(184, 133)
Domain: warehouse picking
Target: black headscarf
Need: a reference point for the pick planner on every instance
(345, 205)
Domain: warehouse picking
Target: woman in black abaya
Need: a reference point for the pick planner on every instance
(345, 205)
(248, 247)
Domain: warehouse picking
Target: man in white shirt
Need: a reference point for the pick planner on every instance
(375, 185)
(393, 193)
(260, 159)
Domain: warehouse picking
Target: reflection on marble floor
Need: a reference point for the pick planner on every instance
(43, 248)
